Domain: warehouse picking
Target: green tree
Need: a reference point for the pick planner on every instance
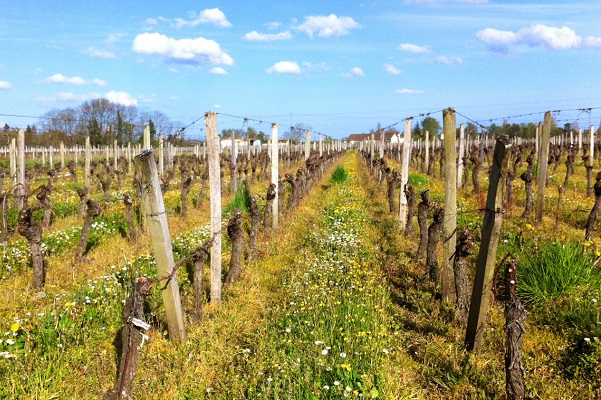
(431, 125)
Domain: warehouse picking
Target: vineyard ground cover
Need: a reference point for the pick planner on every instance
(244, 342)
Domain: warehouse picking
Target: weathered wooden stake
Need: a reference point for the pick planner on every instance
(213, 148)
(156, 219)
(404, 174)
(542, 169)
(307, 145)
(487, 255)
(275, 171)
(449, 226)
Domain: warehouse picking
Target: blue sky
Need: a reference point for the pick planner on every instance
(340, 67)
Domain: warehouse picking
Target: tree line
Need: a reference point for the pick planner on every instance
(100, 119)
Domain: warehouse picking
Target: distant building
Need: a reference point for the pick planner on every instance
(389, 137)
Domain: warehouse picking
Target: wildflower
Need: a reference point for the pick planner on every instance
(69, 304)
(348, 389)
(588, 340)
(343, 355)
(385, 351)
(288, 330)
(15, 327)
(318, 342)
(326, 387)
(336, 383)
(270, 379)
(324, 352)
(9, 342)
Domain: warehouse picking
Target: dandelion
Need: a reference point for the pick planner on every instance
(15, 327)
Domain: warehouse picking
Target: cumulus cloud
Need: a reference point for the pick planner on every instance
(409, 91)
(449, 60)
(123, 98)
(218, 71)
(5, 85)
(75, 80)
(538, 35)
(284, 67)
(211, 16)
(413, 48)
(354, 72)
(67, 97)
(391, 69)
(328, 26)
(255, 36)
(100, 53)
(196, 51)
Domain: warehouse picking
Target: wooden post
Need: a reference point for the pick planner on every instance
(592, 145)
(405, 174)
(275, 172)
(20, 192)
(62, 150)
(156, 220)
(487, 255)
(13, 160)
(460, 156)
(146, 137)
(161, 156)
(449, 226)
(542, 169)
(307, 145)
(234, 166)
(427, 157)
(213, 148)
(86, 168)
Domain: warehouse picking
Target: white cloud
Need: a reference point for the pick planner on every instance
(273, 25)
(75, 80)
(409, 91)
(196, 51)
(151, 22)
(255, 36)
(218, 71)
(391, 69)
(284, 67)
(536, 36)
(328, 26)
(116, 97)
(114, 38)
(413, 48)
(67, 97)
(99, 53)
(355, 71)
(123, 98)
(211, 16)
(449, 60)
(319, 67)
(5, 85)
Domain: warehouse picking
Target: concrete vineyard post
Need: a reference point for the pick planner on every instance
(13, 159)
(156, 220)
(449, 226)
(542, 168)
(592, 144)
(487, 255)
(234, 166)
(405, 174)
(213, 149)
(275, 173)
(62, 151)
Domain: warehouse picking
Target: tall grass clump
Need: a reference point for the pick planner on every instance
(241, 200)
(340, 175)
(557, 269)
